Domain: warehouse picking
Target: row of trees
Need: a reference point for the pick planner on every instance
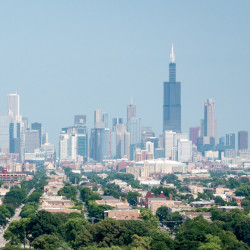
(18, 195)
(72, 231)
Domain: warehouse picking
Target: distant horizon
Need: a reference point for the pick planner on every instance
(67, 58)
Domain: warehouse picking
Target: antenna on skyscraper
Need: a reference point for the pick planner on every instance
(131, 99)
(172, 55)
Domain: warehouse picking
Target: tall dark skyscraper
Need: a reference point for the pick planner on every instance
(242, 140)
(172, 99)
(230, 140)
(37, 126)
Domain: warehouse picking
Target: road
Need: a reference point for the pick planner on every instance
(16, 216)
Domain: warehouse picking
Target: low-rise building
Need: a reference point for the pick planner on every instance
(129, 214)
(191, 215)
(229, 208)
(197, 204)
(111, 201)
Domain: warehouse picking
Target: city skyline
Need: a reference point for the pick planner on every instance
(86, 60)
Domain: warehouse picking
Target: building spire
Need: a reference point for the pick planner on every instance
(172, 55)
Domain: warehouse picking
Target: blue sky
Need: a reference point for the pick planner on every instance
(69, 57)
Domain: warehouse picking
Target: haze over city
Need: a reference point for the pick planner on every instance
(67, 58)
(124, 125)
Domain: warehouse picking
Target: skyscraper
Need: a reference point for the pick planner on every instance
(32, 141)
(194, 133)
(172, 99)
(105, 119)
(242, 140)
(13, 106)
(209, 123)
(122, 141)
(4, 132)
(230, 140)
(131, 110)
(116, 121)
(37, 126)
(98, 119)
(80, 119)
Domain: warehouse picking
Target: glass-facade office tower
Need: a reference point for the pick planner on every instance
(4, 132)
(209, 122)
(105, 119)
(15, 137)
(172, 99)
(230, 140)
(32, 141)
(13, 106)
(194, 133)
(37, 126)
(242, 140)
(116, 121)
(131, 110)
(82, 140)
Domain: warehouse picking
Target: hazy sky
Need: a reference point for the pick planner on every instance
(69, 57)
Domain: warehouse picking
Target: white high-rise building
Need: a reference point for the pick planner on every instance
(13, 106)
(184, 150)
(179, 136)
(122, 141)
(98, 119)
(63, 145)
(150, 147)
(171, 140)
(168, 143)
(4, 131)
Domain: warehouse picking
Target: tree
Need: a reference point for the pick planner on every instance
(113, 193)
(34, 197)
(46, 241)
(44, 223)
(243, 191)
(166, 191)
(4, 214)
(169, 178)
(218, 200)
(161, 240)
(108, 232)
(15, 196)
(139, 242)
(233, 183)
(162, 213)
(97, 211)
(246, 203)
(17, 232)
(29, 210)
(73, 227)
(212, 243)
(87, 194)
(132, 198)
(244, 180)
(83, 239)
(173, 219)
(68, 191)
(147, 215)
